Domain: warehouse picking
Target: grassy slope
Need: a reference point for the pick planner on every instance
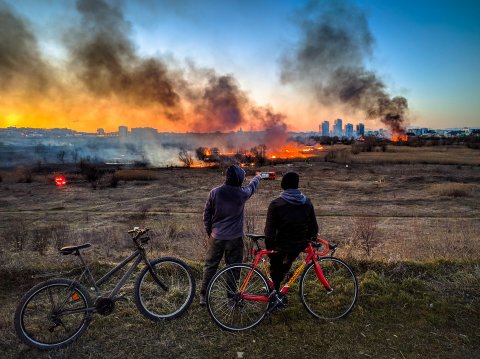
(405, 310)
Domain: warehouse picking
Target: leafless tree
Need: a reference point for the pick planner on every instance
(363, 234)
(186, 158)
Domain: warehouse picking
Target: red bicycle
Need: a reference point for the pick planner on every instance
(240, 295)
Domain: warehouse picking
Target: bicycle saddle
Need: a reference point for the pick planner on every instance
(70, 249)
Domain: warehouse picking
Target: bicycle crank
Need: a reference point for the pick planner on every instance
(104, 306)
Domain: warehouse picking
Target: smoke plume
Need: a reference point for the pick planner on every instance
(330, 61)
(104, 59)
(104, 81)
(20, 59)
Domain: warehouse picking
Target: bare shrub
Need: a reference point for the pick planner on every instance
(167, 233)
(452, 189)
(41, 239)
(16, 234)
(25, 175)
(364, 234)
(186, 158)
(59, 234)
(200, 239)
(91, 172)
(356, 148)
(113, 181)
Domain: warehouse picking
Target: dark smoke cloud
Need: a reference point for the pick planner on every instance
(330, 60)
(221, 104)
(20, 61)
(105, 60)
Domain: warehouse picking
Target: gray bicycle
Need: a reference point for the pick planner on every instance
(56, 312)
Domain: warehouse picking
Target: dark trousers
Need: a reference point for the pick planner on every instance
(233, 250)
(280, 264)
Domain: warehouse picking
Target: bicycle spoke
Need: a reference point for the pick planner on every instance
(157, 303)
(329, 305)
(49, 317)
(225, 303)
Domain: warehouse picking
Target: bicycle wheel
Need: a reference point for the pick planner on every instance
(329, 305)
(157, 303)
(224, 303)
(53, 314)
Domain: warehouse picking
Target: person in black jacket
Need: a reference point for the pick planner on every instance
(289, 226)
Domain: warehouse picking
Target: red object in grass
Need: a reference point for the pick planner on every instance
(60, 181)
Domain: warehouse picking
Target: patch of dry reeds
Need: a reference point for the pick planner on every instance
(452, 189)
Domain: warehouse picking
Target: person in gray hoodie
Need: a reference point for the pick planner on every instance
(289, 226)
(223, 219)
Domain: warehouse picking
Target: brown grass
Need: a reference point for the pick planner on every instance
(411, 155)
(136, 175)
(452, 189)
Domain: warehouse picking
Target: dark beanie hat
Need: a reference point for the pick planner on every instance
(290, 180)
(234, 175)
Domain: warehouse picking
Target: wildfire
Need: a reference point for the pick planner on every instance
(292, 150)
(399, 137)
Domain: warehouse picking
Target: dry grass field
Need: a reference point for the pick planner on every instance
(419, 285)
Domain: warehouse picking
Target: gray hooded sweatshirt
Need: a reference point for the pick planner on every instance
(224, 209)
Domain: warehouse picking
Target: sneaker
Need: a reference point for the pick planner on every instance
(277, 302)
(203, 299)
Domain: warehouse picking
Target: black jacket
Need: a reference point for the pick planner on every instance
(289, 226)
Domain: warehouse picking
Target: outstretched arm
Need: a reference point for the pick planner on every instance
(252, 186)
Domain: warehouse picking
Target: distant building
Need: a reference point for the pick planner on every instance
(349, 130)
(337, 128)
(101, 132)
(122, 131)
(325, 128)
(144, 132)
(360, 130)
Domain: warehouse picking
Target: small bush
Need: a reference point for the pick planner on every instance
(25, 176)
(113, 181)
(41, 239)
(364, 234)
(91, 172)
(16, 234)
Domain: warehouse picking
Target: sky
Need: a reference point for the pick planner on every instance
(225, 65)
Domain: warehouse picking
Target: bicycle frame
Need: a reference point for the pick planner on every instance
(311, 256)
(138, 255)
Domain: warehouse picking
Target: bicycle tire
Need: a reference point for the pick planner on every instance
(157, 304)
(39, 314)
(329, 305)
(224, 305)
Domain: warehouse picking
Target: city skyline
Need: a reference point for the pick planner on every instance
(236, 53)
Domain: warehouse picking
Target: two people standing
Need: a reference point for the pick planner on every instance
(290, 224)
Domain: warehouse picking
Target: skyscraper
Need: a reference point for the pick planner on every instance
(349, 130)
(337, 128)
(326, 128)
(360, 130)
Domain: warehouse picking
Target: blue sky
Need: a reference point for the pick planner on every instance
(427, 51)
